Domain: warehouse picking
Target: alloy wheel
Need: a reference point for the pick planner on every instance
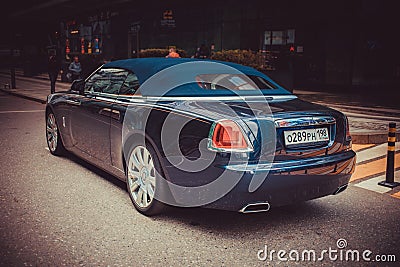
(51, 132)
(141, 177)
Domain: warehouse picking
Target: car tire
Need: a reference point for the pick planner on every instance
(53, 137)
(143, 171)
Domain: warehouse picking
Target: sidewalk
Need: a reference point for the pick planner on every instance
(371, 168)
(368, 121)
(369, 117)
(33, 88)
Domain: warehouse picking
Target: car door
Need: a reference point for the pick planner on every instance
(126, 97)
(92, 112)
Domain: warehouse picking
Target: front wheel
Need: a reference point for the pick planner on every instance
(53, 138)
(143, 168)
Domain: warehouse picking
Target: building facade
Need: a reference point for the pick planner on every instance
(333, 45)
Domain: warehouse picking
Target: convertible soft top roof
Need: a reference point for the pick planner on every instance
(144, 68)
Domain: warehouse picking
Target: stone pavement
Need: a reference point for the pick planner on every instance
(368, 119)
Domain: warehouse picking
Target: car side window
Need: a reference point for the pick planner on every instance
(106, 81)
(116, 78)
(97, 82)
(130, 86)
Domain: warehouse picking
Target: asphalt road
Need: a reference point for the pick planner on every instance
(61, 211)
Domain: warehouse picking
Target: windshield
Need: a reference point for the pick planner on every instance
(236, 82)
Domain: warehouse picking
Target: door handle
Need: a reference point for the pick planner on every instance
(115, 114)
(105, 111)
(73, 102)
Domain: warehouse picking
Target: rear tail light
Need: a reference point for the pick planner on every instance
(226, 135)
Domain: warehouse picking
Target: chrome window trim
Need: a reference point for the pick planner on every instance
(133, 98)
(220, 98)
(293, 165)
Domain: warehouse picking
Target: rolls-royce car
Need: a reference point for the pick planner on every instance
(201, 133)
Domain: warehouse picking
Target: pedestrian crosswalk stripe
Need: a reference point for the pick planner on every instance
(374, 152)
(372, 185)
(373, 168)
(361, 147)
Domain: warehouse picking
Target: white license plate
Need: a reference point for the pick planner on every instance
(306, 136)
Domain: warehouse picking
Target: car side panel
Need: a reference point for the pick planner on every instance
(116, 148)
(91, 125)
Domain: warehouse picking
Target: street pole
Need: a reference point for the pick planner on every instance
(13, 83)
(137, 44)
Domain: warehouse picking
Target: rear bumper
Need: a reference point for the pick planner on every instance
(290, 182)
(285, 182)
(280, 190)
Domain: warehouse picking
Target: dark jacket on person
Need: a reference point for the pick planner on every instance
(53, 65)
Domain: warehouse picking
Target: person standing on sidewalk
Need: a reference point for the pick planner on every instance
(53, 69)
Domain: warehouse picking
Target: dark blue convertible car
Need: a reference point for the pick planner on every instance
(201, 133)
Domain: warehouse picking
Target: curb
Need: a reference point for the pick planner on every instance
(372, 138)
(24, 96)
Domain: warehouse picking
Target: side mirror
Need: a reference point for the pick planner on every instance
(78, 86)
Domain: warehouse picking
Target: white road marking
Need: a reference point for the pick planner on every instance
(372, 184)
(20, 111)
(374, 152)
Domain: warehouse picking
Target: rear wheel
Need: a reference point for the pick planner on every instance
(143, 168)
(53, 138)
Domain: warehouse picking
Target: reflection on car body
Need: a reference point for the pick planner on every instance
(111, 120)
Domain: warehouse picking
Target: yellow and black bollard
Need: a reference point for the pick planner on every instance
(389, 182)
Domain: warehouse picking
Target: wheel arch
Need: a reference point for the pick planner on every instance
(143, 138)
(48, 110)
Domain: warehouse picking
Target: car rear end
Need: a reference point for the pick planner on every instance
(310, 158)
(272, 147)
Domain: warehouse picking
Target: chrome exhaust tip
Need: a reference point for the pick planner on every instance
(255, 207)
(340, 189)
